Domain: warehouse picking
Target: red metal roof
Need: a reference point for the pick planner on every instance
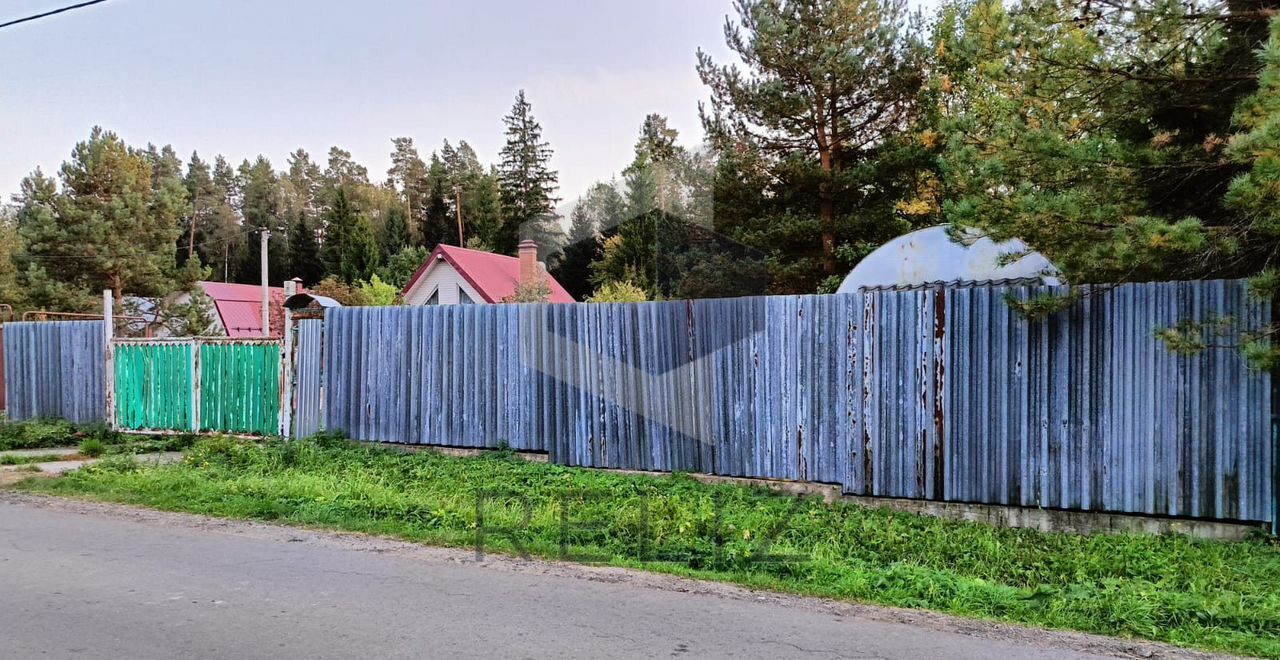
(493, 276)
(240, 307)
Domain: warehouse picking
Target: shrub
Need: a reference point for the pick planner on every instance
(92, 447)
(224, 451)
(35, 434)
(622, 291)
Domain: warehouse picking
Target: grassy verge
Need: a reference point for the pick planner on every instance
(1213, 595)
(9, 459)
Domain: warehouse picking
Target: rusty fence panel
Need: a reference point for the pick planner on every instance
(939, 393)
(1089, 410)
(54, 369)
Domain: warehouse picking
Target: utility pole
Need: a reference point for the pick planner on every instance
(457, 204)
(266, 289)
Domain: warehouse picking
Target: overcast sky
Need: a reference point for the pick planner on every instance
(243, 77)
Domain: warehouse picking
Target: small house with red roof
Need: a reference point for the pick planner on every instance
(238, 309)
(461, 276)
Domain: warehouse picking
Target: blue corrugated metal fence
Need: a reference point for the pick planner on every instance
(306, 374)
(929, 393)
(54, 369)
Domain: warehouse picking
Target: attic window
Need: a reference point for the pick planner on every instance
(464, 298)
(435, 298)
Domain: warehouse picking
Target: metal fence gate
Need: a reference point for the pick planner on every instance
(198, 384)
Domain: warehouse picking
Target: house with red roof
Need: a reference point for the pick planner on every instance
(461, 276)
(238, 309)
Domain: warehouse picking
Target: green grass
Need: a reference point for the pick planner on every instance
(92, 447)
(1214, 595)
(10, 459)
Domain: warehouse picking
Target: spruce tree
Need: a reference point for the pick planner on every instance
(304, 250)
(350, 249)
(395, 231)
(601, 208)
(527, 181)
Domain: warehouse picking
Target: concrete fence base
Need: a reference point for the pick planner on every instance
(1043, 520)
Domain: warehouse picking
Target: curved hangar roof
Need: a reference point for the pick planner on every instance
(929, 255)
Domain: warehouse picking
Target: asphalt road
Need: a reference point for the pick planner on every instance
(92, 581)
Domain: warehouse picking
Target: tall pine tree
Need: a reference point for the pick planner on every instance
(826, 90)
(110, 226)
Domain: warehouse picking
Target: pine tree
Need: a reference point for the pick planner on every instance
(1099, 133)
(261, 209)
(825, 87)
(225, 240)
(408, 173)
(482, 208)
(204, 196)
(528, 183)
(651, 176)
(118, 227)
(343, 170)
(1255, 193)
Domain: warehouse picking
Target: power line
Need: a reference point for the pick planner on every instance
(179, 248)
(50, 13)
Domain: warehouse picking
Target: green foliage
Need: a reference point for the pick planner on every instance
(304, 250)
(347, 294)
(600, 208)
(1172, 588)
(379, 293)
(394, 235)
(36, 434)
(1099, 135)
(261, 209)
(537, 291)
(92, 447)
(618, 291)
(401, 266)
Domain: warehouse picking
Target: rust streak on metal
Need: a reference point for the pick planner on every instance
(939, 394)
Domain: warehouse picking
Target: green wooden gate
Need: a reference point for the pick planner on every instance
(153, 386)
(198, 385)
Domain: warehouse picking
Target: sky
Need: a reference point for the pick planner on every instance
(249, 77)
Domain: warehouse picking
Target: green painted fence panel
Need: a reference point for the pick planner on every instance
(153, 386)
(240, 387)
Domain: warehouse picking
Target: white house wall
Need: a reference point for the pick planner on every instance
(445, 278)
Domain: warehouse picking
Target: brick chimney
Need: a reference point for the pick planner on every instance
(528, 255)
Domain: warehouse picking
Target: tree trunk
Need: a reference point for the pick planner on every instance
(191, 229)
(827, 213)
